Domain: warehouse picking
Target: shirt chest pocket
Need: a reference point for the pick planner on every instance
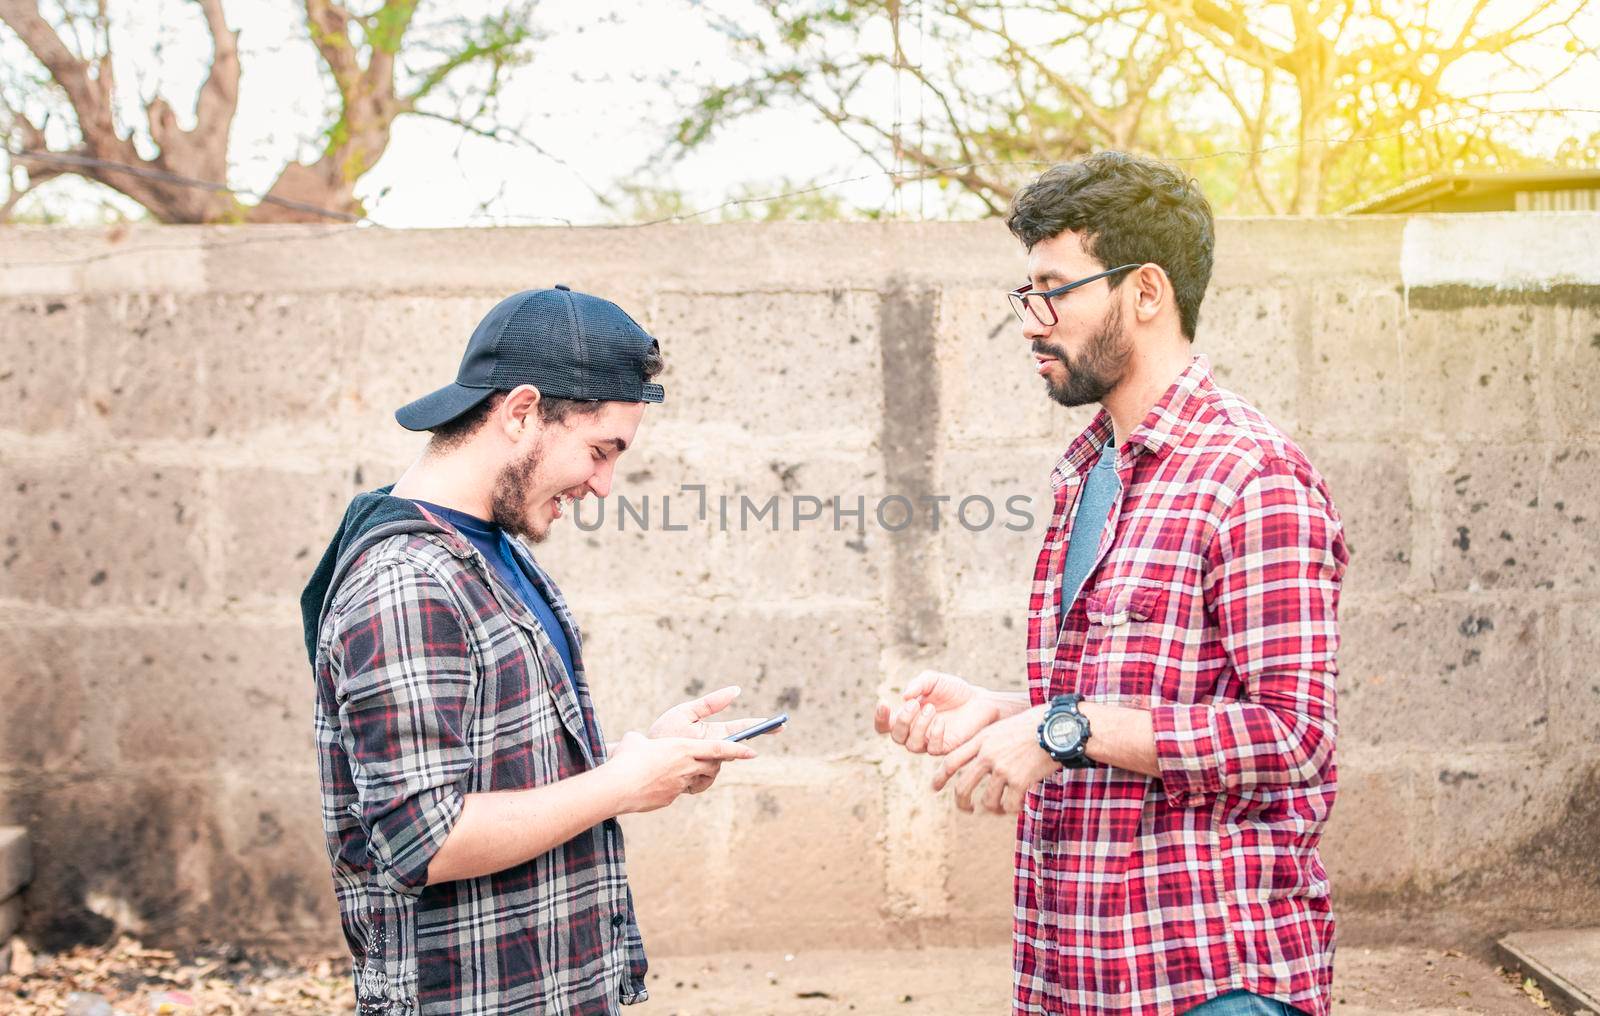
(1127, 641)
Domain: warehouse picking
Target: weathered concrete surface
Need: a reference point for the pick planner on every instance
(1565, 963)
(16, 861)
(183, 413)
(16, 870)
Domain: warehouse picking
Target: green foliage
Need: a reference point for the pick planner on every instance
(1274, 105)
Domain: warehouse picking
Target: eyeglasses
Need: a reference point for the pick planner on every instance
(1037, 301)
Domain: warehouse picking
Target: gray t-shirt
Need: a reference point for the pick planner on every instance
(1100, 492)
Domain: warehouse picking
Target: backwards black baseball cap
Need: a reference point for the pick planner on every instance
(568, 345)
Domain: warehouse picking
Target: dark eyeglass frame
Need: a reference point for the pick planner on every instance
(1022, 296)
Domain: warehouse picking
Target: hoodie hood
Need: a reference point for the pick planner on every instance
(371, 518)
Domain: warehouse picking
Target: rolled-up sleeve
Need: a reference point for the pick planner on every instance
(1273, 572)
(405, 690)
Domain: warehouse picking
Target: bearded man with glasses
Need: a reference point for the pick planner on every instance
(1172, 758)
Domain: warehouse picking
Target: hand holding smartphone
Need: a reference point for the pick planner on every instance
(764, 727)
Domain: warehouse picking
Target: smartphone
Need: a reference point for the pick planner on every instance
(764, 727)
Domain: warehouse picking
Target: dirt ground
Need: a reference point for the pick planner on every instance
(127, 980)
(977, 982)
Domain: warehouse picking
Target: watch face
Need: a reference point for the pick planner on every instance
(1062, 732)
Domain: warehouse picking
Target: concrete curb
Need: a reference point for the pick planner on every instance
(1566, 964)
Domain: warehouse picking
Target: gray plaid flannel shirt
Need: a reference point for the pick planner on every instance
(435, 681)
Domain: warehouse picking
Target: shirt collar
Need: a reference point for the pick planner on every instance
(468, 524)
(1169, 420)
(1163, 427)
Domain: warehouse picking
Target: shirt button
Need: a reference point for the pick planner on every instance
(616, 920)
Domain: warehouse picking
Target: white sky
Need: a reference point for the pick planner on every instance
(592, 97)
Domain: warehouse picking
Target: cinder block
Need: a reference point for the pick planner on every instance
(726, 371)
(1068, 425)
(146, 258)
(678, 255)
(1371, 487)
(659, 548)
(1354, 359)
(821, 666)
(273, 361)
(914, 857)
(1574, 664)
(838, 555)
(202, 695)
(41, 347)
(1370, 843)
(1569, 506)
(989, 544)
(765, 567)
(763, 529)
(143, 355)
(145, 849)
(408, 346)
(607, 570)
(1473, 372)
(275, 526)
(678, 861)
(987, 647)
(989, 390)
(1442, 674)
(16, 861)
(1289, 249)
(1252, 337)
(101, 532)
(269, 835)
(820, 877)
(1482, 809)
(1485, 524)
(980, 865)
(1572, 371)
(47, 723)
(10, 921)
(46, 260)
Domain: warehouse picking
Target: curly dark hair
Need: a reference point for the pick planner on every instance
(452, 432)
(1130, 210)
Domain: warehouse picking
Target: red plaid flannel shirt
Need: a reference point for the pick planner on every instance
(1214, 605)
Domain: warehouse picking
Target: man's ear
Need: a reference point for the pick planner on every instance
(519, 411)
(1151, 288)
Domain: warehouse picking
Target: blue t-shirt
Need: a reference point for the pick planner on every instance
(1100, 492)
(493, 543)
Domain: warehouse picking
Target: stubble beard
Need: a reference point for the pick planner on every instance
(509, 505)
(1097, 371)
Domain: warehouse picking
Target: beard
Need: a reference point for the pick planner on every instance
(510, 505)
(1094, 374)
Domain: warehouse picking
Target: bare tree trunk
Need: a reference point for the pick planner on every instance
(187, 179)
(1308, 156)
(106, 156)
(359, 139)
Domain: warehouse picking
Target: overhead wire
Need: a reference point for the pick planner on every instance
(352, 221)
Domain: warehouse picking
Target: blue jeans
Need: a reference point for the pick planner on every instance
(1243, 1003)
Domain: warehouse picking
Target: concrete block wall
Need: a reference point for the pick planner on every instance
(183, 413)
(16, 870)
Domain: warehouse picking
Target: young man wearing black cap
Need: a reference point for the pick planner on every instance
(469, 799)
